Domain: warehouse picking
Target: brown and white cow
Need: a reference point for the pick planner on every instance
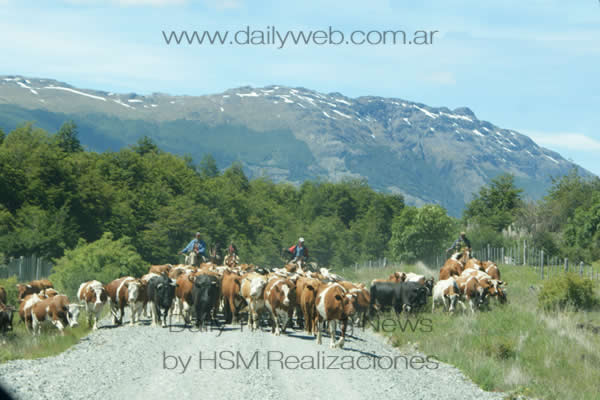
(361, 302)
(397, 276)
(252, 290)
(333, 304)
(25, 308)
(126, 291)
(57, 310)
(51, 292)
(33, 287)
(93, 296)
(471, 291)
(493, 286)
(280, 300)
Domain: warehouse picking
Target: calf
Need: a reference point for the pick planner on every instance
(55, 309)
(446, 292)
(280, 299)
(205, 296)
(161, 292)
(252, 290)
(333, 303)
(93, 296)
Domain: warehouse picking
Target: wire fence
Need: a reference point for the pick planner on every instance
(26, 268)
(529, 257)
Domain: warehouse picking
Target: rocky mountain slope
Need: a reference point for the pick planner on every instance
(430, 155)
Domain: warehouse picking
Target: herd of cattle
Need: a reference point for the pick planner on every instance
(310, 298)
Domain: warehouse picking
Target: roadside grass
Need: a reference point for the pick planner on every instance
(513, 348)
(20, 344)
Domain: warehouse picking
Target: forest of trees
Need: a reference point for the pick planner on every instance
(55, 196)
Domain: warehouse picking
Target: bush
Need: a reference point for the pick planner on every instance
(10, 285)
(104, 260)
(568, 290)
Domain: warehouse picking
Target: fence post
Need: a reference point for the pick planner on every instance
(21, 269)
(488, 252)
(542, 263)
(524, 252)
(581, 268)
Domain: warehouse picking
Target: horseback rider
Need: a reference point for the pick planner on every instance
(461, 244)
(231, 257)
(195, 251)
(299, 252)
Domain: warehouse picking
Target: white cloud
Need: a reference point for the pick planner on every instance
(565, 140)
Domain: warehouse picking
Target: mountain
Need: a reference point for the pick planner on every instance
(429, 155)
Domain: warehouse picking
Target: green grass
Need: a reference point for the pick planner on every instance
(513, 348)
(22, 345)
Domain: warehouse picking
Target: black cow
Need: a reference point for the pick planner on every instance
(6, 318)
(161, 292)
(400, 296)
(205, 295)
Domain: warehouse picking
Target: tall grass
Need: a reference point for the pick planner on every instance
(20, 344)
(513, 348)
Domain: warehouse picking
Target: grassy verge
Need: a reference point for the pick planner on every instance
(20, 344)
(513, 348)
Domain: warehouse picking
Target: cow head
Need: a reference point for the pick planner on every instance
(165, 290)
(24, 290)
(133, 291)
(429, 286)
(100, 295)
(349, 304)
(73, 314)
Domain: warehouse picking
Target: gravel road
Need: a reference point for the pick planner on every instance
(145, 362)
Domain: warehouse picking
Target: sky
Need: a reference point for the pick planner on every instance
(528, 66)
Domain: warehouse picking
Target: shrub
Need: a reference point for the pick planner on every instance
(568, 290)
(10, 285)
(104, 260)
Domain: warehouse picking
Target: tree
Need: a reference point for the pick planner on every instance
(208, 166)
(104, 260)
(145, 145)
(497, 203)
(67, 138)
(417, 233)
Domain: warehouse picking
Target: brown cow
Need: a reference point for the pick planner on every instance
(56, 310)
(397, 276)
(307, 294)
(93, 296)
(230, 289)
(2, 295)
(51, 292)
(333, 304)
(280, 300)
(183, 296)
(252, 290)
(33, 287)
(474, 263)
(160, 269)
(491, 269)
(362, 300)
(452, 267)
